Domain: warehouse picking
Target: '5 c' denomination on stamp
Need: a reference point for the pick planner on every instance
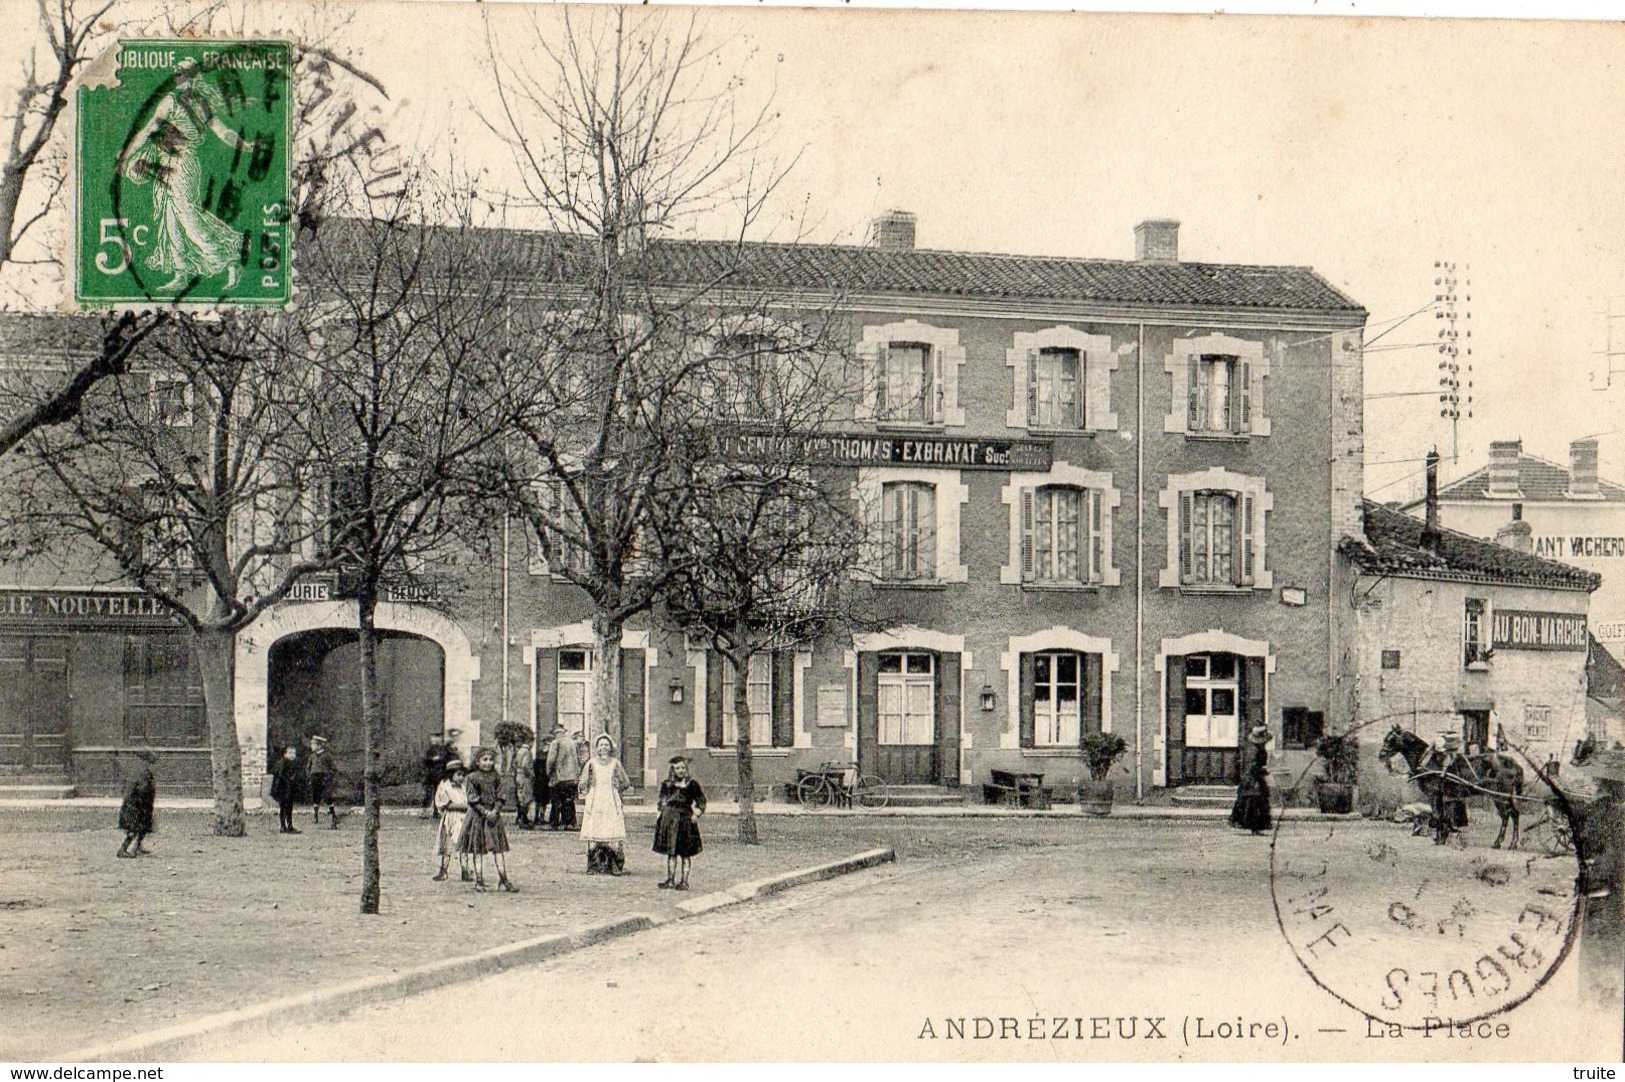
(182, 161)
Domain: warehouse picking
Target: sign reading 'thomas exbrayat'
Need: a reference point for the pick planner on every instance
(1520, 629)
(868, 449)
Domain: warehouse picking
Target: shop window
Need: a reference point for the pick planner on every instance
(1301, 728)
(163, 692)
(1475, 647)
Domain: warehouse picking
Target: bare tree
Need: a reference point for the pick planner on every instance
(758, 535)
(418, 393)
(188, 478)
(622, 133)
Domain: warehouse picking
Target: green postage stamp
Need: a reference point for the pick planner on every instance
(182, 164)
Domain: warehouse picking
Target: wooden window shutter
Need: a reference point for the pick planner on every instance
(1032, 387)
(1244, 396)
(948, 720)
(1097, 535)
(1252, 692)
(1027, 562)
(868, 719)
(925, 509)
(1194, 398)
(784, 698)
(1187, 536)
(1176, 718)
(1090, 695)
(1246, 517)
(713, 699)
(937, 395)
(547, 690)
(880, 375)
(632, 713)
(1025, 687)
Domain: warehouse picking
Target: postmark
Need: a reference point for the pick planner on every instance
(1419, 937)
(182, 160)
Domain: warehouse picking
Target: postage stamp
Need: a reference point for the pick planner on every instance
(183, 176)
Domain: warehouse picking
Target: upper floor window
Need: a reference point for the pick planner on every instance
(912, 374)
(909, 530)
(1475, 643)
(1216, 535)
(1062, 380)
(564, 532)
(1217, 387)
(1061, 535)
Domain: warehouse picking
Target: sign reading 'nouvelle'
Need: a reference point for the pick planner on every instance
(1520, 629)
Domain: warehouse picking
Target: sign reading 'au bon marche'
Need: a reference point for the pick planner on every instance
(1521, 629)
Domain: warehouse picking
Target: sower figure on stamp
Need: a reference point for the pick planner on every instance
(135, 815)
(677, 831)
(285, 787)
(1252, 807)
(321, 783)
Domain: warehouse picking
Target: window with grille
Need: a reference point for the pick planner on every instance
(1216, 538)
(1062, 535)
(909, 530)
(1055, 388)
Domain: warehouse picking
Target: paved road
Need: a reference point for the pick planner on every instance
(1126, 922)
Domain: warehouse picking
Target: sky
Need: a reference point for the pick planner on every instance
(1368, 149)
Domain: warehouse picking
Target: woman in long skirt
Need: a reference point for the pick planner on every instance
(603, 823)
(1252, 807)
(135, 815)
(451, 805)
(677, 831)
(483, 831)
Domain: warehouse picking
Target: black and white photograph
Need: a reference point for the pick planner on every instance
(547, 533)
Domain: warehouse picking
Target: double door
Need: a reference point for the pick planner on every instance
(34, 703)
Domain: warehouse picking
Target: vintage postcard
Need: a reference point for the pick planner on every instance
(809, 535)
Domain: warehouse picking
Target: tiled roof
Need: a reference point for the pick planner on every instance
(1393, 546)
(833, 268)
(1538, 480)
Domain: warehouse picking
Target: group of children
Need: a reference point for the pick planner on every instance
(469, 804)
(289, 776)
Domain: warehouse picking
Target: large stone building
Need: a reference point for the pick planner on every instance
(1113, 489)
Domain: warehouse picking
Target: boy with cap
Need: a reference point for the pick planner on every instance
(321, 783)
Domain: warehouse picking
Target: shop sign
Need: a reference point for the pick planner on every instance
(870, 449)
(1521, 629)
(117, 609)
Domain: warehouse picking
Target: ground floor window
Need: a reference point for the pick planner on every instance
(770, 691)
(575, 690)
(163, 692)
(1060, 698)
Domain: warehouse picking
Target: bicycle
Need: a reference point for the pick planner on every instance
(841, 784)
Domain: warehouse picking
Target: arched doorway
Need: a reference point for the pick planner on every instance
(314, 686)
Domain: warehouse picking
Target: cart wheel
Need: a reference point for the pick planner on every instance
(813, 792)
(870, 792)
(1559, 839)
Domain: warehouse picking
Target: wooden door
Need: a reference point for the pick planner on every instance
(1210, 752)
(907, 718)
(34, 702)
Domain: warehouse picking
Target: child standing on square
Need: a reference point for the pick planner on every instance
(451, 805)
(677, 831)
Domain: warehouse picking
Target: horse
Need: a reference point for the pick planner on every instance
(1497, 776)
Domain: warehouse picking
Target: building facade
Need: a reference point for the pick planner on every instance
(1109, 493)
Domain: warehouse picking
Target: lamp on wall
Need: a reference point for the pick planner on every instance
(989, 698)
(676, 687)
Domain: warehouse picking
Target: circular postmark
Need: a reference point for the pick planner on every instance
(1426, 929)
(182, 158)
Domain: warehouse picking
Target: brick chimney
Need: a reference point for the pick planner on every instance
(1517, 534)
(1156, 240)
(893, 231)
(1430, 521)
(1504, 469)
(1583, 470)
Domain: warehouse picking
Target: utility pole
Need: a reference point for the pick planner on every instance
(1610, 350)
(1454, 295)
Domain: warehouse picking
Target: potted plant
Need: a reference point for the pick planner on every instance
(1340, 754)
(1100, 753)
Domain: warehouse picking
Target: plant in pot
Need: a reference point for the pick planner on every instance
(1100, 753)
(1339, 753)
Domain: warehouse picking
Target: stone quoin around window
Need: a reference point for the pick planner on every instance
(948, 495)
(1218, 388)
(1097, 506)
(1048, 395)
(1053, 639)
(1216, 519)
(918, 386)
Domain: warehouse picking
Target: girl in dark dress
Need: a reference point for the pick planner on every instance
(483, 831)
(135, 814)
(677, 831)
(1252, 808)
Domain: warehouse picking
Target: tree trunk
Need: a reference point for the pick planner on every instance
(606, 678)
(216, 650)
(747, 764)
(376, 727)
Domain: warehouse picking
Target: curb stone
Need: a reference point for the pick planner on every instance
(324, 1004)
